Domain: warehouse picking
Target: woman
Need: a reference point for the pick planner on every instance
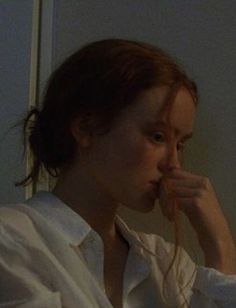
(112, 128)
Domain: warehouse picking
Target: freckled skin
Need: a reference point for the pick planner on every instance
(124, 161)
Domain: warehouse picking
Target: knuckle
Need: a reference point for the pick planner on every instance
(201, 193)
(197, 201)
(205, 182)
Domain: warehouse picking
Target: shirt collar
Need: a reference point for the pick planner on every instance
(134, 238)
(73, 226)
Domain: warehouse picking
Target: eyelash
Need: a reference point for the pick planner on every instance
(180, 146)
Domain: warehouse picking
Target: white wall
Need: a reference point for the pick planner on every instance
(15, 44)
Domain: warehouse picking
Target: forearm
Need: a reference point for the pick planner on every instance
(222, 256)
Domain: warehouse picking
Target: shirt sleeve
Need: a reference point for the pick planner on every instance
(46, 301)
(212, 288)
(201, 286)
(209, 288)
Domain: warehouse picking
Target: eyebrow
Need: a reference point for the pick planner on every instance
(177, 131)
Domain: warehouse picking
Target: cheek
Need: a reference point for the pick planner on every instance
(140, 155)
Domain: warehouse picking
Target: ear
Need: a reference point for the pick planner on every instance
(81, 135)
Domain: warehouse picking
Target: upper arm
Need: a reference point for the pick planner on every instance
(20, 284)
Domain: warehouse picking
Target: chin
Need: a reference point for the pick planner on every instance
(148, 208)
(143, 206)
(143, 203)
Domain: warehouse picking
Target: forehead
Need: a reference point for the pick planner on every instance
(156, 105)
(153, 101)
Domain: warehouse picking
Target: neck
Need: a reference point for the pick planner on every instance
(96, 209)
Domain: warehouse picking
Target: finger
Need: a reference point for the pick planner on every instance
(185, 204)
(167, 202)
(183, 174)
(191, 183)
(187, 179)
(181, 192)
(170, 196)
(168, 208)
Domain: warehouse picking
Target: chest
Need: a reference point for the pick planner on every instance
(114, 269)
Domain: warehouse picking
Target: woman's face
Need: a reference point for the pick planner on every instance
(143, 145)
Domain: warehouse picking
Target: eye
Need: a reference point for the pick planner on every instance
(159, 136)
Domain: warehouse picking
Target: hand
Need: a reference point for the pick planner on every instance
(195, 196)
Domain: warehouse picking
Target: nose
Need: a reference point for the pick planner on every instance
(171, 160)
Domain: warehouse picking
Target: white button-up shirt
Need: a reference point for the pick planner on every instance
(51, 257)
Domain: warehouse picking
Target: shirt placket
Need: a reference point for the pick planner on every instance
(137, 270)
